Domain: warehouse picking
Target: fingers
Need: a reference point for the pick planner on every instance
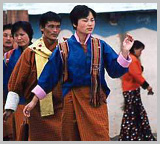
(6, 115)
(129, 38)
(26, 111)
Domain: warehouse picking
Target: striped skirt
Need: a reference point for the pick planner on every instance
(81, 121)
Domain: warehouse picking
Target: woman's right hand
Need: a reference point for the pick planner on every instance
(30, 106)
(7, 114)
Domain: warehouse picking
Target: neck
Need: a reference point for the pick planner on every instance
(82, 37)
(23, 48)
(6, 49)
(48, 41)
(50, 44)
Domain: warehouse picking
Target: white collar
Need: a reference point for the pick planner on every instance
(77, 38)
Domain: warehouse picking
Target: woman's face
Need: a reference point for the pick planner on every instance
(86, 25)
(138, 52)
(7, 38)
(22, 38)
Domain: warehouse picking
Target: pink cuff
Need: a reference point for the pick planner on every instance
(39, 92)
(124, 62)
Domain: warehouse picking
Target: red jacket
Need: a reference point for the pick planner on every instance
(133, 79)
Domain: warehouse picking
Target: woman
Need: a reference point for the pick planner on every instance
(22, 33)
(135, 125)
(85, 115)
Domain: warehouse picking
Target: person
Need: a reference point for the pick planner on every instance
(45, 120)
(7, 45)
(135, 124)
(84, 118)
(22, 33)
(8, 41)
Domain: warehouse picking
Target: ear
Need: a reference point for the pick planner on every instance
(41, 28)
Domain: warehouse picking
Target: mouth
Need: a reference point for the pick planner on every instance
(55, 35)
(8, 42)
(89, 29)
(19, 43)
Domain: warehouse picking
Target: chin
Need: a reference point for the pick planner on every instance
(53, 39)
(89, 32)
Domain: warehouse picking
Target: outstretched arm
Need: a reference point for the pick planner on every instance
(47, 80)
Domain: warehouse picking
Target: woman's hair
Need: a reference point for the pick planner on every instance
(136, 45)
(80, 11)
(26, 26)
(49, 16)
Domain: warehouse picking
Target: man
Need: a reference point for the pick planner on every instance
(46, 118)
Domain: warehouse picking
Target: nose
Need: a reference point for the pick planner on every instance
(9, 37)
(18, 37)
(90, 22)
(55, 29)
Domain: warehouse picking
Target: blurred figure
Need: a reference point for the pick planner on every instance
(22, 32)
(8, 44)
(135, 124)
(7, 38)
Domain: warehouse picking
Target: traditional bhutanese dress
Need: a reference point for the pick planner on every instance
(81, 121)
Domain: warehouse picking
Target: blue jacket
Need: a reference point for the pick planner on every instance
(8, 68)
(79, 64)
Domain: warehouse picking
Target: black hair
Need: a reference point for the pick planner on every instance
(136, 45)
(80, 11)
(7, 26)
(26, 26)
(49, 16)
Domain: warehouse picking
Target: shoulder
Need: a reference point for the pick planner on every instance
(8, 54)
(134, 58)
(27, 50)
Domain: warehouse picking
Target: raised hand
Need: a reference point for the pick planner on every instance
(127, 44)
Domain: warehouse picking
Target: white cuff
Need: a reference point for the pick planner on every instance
(12, 101)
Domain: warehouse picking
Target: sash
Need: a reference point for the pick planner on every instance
(95, 72)
(41, 57)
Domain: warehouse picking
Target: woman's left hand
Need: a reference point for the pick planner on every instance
(30, 106)
(127, 44)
